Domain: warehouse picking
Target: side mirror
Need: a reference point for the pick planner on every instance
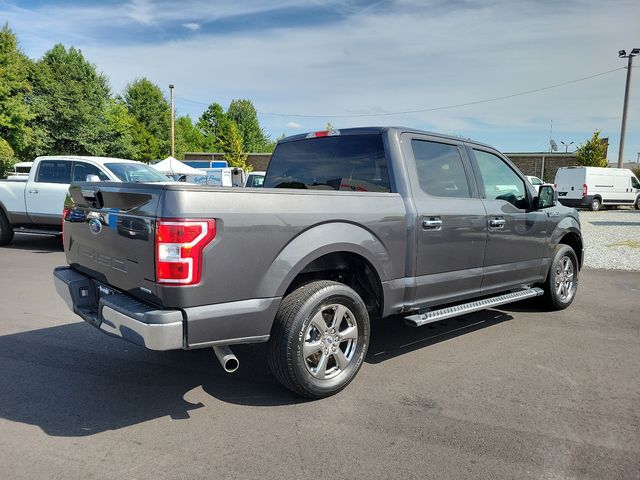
(547, 197)
(93, 178)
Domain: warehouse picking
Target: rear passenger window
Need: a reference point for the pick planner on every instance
(440, 169)
(54, 171)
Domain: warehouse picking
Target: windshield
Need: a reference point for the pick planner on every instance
(255, 180)
(136, 173)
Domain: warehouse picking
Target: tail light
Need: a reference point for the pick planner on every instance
(65, 213)
(179, 246)
(585, 189)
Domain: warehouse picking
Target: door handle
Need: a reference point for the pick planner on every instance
(33, 190)
(432, 223)
(497, 222)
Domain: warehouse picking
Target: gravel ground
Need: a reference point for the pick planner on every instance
(612, 238)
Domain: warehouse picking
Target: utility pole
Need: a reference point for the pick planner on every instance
(173, 130)
(623, 128)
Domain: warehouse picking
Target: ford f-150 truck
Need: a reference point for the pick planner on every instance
(349, 226)
(36, 205)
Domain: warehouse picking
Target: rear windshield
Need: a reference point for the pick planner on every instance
(136, 173)
(349, 163)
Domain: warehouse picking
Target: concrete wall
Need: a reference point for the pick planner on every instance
(533, 163)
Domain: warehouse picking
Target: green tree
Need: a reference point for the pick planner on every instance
(188, 137)
(7, 158)
(15, 86)
(593, 152)
(147, 105)
(244, 114)
(214, 124)
(69, 96)
(233, 148)
(117, 136)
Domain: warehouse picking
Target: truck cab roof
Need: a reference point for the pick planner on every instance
(97, 160)
(376, 130)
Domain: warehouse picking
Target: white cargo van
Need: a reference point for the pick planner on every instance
(596, 187)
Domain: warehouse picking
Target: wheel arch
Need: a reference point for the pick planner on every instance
(574, 240)
(4, 210)
(309, 256)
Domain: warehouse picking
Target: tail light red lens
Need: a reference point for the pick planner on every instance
(179, 246)
(585, 190)
(65, 213)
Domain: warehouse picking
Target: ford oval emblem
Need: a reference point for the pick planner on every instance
(95, 226)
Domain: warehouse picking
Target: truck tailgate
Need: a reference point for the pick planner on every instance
(109, 234)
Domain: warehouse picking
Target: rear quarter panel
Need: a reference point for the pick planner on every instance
(265, 237)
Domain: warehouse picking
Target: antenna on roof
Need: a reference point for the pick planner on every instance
(553, 145)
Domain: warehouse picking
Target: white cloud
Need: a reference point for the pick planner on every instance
(409, 56)
(141, 11)
(192, 26)
(293, 125)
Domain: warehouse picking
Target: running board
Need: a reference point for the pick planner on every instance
(36, 231)
(436, 315)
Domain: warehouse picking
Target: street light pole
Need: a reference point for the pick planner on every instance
(566, 146)
(173, 131)
(623, 128)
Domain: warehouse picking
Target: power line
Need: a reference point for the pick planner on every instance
(432, 109)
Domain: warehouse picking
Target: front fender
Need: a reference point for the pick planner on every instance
(321, 240)
(567, 224)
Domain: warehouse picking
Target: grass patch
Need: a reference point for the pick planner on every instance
(626, 243)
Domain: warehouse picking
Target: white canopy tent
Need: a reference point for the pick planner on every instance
(172, 166)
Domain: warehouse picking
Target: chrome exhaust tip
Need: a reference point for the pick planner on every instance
(227, 359)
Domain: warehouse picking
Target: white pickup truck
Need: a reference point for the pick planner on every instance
(35, 206)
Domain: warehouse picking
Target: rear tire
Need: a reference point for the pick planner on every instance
(595, 205)
(319, 339)
(562, 280)
(6, 231)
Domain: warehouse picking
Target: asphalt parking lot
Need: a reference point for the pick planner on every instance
(509, 393)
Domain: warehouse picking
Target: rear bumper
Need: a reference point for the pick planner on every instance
(156, 328)
(120, 315)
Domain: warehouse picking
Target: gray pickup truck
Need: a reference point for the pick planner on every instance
(350, 225)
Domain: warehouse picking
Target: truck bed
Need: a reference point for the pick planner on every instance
(254, 251)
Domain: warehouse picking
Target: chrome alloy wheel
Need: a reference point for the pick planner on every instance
(330, 341)
(564, 278)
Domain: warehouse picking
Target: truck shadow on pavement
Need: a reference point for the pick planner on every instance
(390, 337)
(36, 243)
(72, 381)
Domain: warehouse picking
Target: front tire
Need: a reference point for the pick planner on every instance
(6, 231)
(319, 339)
(562, 280)
(636, 205)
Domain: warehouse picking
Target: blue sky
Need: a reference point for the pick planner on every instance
(354, 63)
